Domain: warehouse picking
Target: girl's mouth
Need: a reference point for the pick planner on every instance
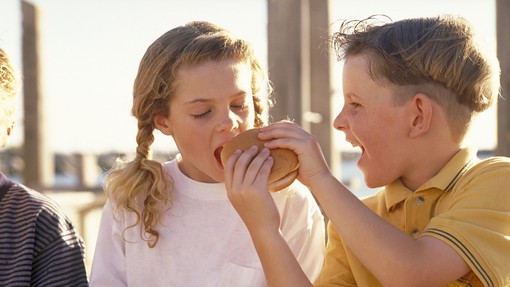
(217, 155)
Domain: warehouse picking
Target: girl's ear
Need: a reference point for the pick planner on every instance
(422, 109)
(163, 125)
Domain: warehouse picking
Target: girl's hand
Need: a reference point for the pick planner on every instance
(289, 135)
(246, 179)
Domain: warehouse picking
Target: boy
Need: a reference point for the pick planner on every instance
(442, 218)
(39, 245)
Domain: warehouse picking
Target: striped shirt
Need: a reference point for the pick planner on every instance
(39, 246)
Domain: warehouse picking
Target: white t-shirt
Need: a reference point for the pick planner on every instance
(203, 241)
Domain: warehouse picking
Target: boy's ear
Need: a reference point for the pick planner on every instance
(422, 109)
(162, 123)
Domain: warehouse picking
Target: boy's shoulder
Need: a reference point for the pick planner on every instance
(22, 201)
(499, 164)
(496, 159)
(487, 178)
(467, 168)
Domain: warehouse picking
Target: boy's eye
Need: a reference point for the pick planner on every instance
(203, 115)
(354, 104)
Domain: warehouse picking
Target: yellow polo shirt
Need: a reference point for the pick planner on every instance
(466, 205)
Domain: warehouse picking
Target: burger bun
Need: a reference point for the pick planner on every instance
(285, 162)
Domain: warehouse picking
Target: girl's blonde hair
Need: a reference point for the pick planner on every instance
(141, 186)
(8, 89)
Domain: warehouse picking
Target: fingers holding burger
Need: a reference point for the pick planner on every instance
(285, 166)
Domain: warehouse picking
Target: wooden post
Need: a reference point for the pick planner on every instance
(503, 42)
(38, 171)
(284, 58)
(321, 91)
(299, 66)
(88, 170)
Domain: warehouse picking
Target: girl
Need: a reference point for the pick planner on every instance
(172, 224)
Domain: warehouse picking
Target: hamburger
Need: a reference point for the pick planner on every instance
(285, 162)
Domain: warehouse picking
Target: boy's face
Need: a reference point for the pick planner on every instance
(212, 103)
(371, 121)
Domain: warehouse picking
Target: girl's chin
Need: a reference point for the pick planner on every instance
(219, 178)
(217, 175)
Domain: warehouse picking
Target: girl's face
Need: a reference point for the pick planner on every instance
(212, 103)
(371, 121)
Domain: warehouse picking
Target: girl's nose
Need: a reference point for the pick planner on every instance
(228, 122)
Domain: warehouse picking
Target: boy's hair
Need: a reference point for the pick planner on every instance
(8, 90)
(141, 186)
(437, 56)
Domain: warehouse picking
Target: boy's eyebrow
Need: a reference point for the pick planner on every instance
(350, 95)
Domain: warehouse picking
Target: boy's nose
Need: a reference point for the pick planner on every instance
(340, 123)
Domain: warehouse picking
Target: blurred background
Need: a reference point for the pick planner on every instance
(79, 59)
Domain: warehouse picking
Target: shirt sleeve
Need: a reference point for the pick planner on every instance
(58, 251)
(108, 265)
(336, 270)
(474, 219)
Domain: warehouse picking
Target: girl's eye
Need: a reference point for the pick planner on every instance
(203, 115)
(240, 107)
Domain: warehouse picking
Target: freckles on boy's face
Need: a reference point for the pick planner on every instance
(371, 121)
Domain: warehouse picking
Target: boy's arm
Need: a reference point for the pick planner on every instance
(394, 257)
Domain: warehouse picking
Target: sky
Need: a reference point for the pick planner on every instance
(91, 50)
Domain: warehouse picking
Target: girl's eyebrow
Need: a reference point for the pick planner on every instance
(199, 100)
(204, 100)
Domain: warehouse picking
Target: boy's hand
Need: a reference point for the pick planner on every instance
(246, 179)
(289, 135)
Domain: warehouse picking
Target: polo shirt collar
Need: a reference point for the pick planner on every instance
(444, 180)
